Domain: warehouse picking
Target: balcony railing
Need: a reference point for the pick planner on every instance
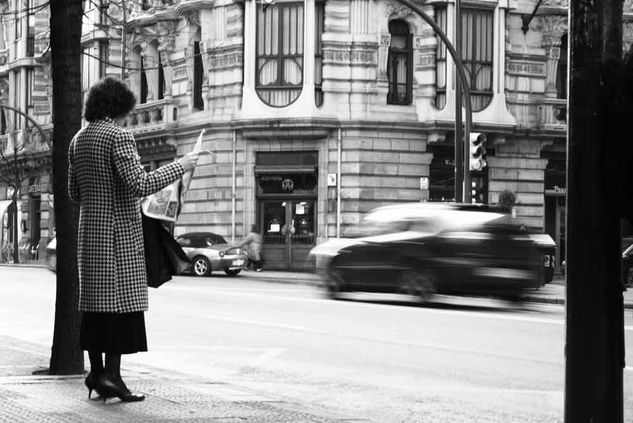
(152, 116)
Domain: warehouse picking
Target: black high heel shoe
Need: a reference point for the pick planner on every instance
(109, 388)
(91, 382)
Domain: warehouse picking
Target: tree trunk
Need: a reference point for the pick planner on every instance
(65, 34)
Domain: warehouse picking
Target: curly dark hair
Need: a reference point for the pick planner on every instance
(109, 97)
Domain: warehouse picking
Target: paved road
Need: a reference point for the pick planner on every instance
(378, 357)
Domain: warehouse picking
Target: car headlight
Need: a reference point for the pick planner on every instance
(231, 251)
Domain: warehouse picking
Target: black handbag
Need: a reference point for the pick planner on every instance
(163, 255)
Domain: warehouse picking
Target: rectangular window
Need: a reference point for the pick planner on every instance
(104, 49)
(17, 22)
(279, 72)
(318, 53)
(103, 12)
(198, 102)
(400, 64)
(85, 72)
(161, 79)
(440, 61)
(477, 47)
(28, 91)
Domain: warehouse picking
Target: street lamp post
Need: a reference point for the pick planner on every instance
(461, 164)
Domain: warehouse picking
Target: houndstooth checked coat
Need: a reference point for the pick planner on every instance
(106, 177)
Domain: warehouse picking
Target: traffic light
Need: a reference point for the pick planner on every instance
(479, 190)
(477, 151)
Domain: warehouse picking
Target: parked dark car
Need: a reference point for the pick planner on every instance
(208, 252)
(428, 248)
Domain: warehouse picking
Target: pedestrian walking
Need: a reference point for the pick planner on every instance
(106, 178)
(253, 245)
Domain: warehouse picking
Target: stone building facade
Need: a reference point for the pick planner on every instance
(317, 111)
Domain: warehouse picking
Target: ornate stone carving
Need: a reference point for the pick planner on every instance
(553, 27)
(192, 18)
(396, 10)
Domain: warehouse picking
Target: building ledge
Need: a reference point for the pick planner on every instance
(285, 128)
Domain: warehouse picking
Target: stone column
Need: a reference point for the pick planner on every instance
(553, 29)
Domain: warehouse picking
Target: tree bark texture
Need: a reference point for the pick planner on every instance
(65, 35)
(594, 306)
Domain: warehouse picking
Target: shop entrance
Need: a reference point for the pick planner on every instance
(288, 232)
(286, 207)
(555, 205)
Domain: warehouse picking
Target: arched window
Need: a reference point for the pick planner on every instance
(279, 62)
(477, 49)
(561, 71)
(399, 64)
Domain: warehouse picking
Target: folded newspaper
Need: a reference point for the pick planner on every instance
(167, 203)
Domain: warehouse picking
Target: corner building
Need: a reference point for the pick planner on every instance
(319, 111)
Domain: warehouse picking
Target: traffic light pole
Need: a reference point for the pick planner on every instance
(462, 166)
(461, 156)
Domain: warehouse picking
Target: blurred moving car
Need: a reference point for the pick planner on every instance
(208, 252)
(427, 248)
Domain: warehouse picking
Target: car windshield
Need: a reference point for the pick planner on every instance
(215, 240)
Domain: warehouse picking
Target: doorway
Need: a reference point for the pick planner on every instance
(286, 212)
(289, 232)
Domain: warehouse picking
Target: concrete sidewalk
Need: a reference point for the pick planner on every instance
(170, 397)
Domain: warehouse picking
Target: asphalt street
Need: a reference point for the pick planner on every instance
(381, 358)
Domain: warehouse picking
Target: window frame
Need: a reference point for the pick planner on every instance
(392, 60)
(472, 64)
(198, 77)
(279, 56)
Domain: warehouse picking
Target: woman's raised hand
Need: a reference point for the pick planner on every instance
(189, 160)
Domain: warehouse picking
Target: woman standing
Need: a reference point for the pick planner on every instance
(106, 178)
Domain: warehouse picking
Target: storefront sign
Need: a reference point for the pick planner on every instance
(556, 190)
(34, 189)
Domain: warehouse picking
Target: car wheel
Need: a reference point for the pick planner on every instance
(419, 283)
(333, 283)
(232, 272)
(201, 266)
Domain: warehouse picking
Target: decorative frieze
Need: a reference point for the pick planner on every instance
(526, 67)
(228, 60)
(357, 57)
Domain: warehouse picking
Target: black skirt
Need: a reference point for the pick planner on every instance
(117, 333)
